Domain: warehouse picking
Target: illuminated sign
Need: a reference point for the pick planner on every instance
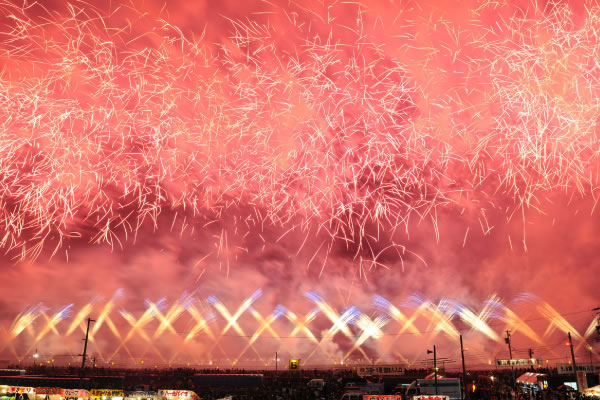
(567, 369)
(141, 395)
(294, 364)
(431, 397)
(21, 389)
(380, 370)
(177, 394)
(518, 361)
(79, 393)
(106, 393)
(48, 390)
(382, 397)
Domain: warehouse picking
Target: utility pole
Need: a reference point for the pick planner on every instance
(87, 331)
(462, 354)
(434, 367)
(276, 363)
(36, 355)
(531, 358)
(507, 340)
(573, 359)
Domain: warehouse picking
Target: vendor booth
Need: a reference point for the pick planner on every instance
(532, 382)
(106, 394)
(47, 393)
(74, 394)
(4, 395)
(44, 393)
(140, 395)
(177, 395)
(17, 393)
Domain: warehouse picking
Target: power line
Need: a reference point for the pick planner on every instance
(471, 358)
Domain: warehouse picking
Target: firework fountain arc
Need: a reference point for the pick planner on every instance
(190, 321)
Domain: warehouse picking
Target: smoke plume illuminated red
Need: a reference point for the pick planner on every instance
(336, 180)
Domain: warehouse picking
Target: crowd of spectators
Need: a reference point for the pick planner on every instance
(485, 385)
(275, 385)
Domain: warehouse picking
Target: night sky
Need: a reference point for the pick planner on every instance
(397, 173)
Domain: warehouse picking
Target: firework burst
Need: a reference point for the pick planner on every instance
(342, 123)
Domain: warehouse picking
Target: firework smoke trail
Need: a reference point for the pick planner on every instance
(340, 322)
(440, 316)
(265, 325)
(301, 324)
(105, 315)
(232, 320)
(51, 322)
(513, 321)
(201, 323)
(137, 325)
(25, 320)
(555, 319)
(329, 129)
(387, 307)
(479, 321)
(370, 329)
(84, 313)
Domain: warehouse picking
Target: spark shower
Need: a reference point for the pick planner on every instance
(360, 150)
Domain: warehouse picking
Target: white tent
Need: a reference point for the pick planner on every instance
(529, 378)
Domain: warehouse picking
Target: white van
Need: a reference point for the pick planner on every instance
(353, 396)
(316, 384)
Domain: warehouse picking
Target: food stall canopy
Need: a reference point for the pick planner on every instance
(141, 395)
(106, 394)
(75, 393)
(21, 389)
(4, 393)
(593, 391)
(177, 395)
(48, 391)
(61, 394)
(16, 392)
(529, 378)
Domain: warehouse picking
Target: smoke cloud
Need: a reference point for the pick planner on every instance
(434, 156)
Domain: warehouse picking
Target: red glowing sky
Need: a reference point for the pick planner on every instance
(348, 149)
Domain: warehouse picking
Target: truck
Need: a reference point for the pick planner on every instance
(228, 380)
(445, 387)
(354, 396)
(366, 387)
